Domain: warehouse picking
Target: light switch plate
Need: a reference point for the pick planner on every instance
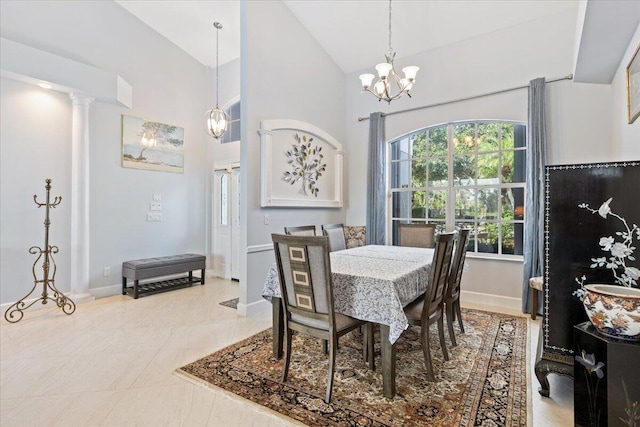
(157, 197)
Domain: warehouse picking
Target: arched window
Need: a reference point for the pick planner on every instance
(463, 175)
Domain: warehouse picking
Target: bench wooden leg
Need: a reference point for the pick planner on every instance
(190, 276)
(124, 286)
(135, 289)
(534, 303)
(202, 276)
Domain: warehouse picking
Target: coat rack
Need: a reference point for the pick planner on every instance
(62, 301)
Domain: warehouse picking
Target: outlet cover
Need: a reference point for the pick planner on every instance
(106, 272)
(155, 206)
(154, 217)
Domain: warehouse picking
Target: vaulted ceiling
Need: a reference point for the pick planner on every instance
(355, 32)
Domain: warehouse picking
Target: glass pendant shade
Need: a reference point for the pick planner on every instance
(383, 69)
(217, 122)
(410, 72)
(366, 80)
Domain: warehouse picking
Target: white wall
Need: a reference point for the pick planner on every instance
(500, 60)
(35, 139)
(285, 75)
(167, 87)
(626, 137)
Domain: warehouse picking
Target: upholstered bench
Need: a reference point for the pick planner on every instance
(148, 268)
(535, 285)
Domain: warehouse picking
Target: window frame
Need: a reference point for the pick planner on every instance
(449, 222)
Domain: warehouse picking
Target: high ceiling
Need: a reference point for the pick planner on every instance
(353, 32)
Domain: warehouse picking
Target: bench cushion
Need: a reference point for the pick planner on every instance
(162, 266)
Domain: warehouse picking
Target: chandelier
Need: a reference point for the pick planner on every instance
(217, 119)
(382, 89)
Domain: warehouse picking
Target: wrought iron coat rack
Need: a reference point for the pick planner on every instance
(16, 311)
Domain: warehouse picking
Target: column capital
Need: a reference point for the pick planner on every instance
(80, 99)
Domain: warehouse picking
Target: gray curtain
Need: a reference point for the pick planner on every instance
(376, 179)
(534, 199)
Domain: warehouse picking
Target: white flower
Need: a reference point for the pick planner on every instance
(605, 209)
(606, 243)
(632, 272)
(620, 250)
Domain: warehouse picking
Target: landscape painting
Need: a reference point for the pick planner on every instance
(152, 146)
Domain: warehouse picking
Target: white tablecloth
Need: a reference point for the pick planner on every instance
(373, 283)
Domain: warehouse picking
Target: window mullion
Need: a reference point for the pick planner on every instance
(450, 210)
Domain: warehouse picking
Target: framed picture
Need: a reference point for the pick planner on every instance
(301, 165)
(633, 87)
(152, 146)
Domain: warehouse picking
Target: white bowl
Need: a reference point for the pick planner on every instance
(614, 310)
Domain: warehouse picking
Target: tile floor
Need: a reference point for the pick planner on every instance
(112, 361)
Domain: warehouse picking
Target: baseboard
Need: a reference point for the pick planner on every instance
(491, 299)
(260, 248)
(253, 308)
(106, 291)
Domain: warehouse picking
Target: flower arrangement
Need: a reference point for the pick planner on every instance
(307, 163)
(621, 251)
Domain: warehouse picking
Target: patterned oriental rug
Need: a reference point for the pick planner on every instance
(483, 383)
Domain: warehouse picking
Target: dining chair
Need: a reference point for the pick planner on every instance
(355, 235)
(304, 269)
(302, 230)
(416, 235)
(429, 308)
(335, 232)
(452, 297)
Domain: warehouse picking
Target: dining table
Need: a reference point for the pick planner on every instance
(372, 283)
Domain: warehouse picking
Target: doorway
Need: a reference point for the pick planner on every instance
(226, 218)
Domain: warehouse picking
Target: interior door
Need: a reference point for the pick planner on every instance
(234, 192)
(222, 229)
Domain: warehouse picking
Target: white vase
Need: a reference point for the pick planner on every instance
(614, 310)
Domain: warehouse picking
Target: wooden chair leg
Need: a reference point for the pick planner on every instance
(450, 319)
(333, 348)
(325, 348)
(459, 315)
(441, 335)
(424, 334)
(287, 354)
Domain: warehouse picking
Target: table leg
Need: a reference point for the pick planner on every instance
(388, 363)
(278, 327)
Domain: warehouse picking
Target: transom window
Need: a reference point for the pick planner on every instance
(233, 127)
(463, 175)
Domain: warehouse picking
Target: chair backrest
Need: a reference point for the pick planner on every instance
(355, 235)
(457, 264)
(335, 232)
(416, 235)
(303, 230)
(440, 267)
(304, 270)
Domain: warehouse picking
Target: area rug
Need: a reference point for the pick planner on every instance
(233, 303)
(483, 383)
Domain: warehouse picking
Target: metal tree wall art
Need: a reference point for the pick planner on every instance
(15, 312)
(307, 164)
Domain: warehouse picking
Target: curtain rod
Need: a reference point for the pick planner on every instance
(453, 101)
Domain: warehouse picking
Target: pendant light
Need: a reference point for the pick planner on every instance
(217, 119)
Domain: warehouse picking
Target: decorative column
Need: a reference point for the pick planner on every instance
(80, 198)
